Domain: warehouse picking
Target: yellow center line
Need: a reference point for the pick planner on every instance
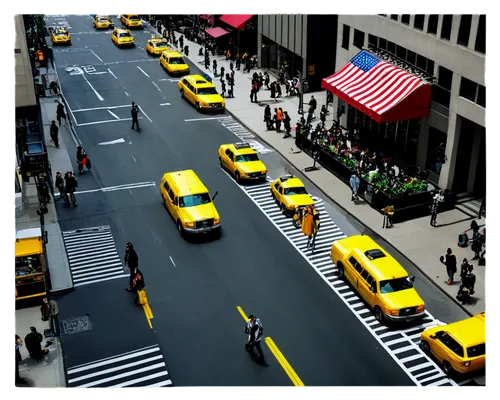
(278, 355)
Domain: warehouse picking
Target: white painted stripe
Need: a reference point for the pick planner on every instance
(88, 235)
(359, 303)
(369, 318)
(106, 122)
(75, 259)
(391, 342)
(146, 115)
(88, 260)
(109, 261)
(116, 141)
(325, 267)
(380, 328)
(99, 58)
(167, 382)
(92, 87)
(111, 72)
(93, 249)
(442, 382)
(113, 189)
(270, 201)
(403, 349)
(142, 71)
(423, 365)
(171, 259)
(75, 270)
(114, 115)
(164, 104)
(204, 119)
(146, 378)
(373, 323)
(157, 87)
(324, 263)
(101, 108)
(113, 274)
(319, 259)
(88, 243)
(88, 239)
(326, 271)
(411, 358)
(126, 94)
(80, 274)
(429, 378)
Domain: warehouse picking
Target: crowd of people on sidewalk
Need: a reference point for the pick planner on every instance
(33, 342)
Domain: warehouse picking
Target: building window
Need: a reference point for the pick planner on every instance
(372, 40)
(359, 39)
(445, 78)
(382, 15)
(394, 17)
(436, 149)
(345, 37)
(481, 35)
(411, 57)
(405, 19)
(430, 67)
(382, 43)
(432, 26)
(446, 28)
(421, 62)
(468, 89)
(464, 30)
(441, 90)
(391, 47)
(401, 52)
(481, 96)
(419, 22)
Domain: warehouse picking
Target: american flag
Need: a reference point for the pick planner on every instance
(373, 83)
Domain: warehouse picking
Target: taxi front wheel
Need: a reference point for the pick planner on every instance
(197, 106)
(379, 315)
(182, 93)
(220, 162)
(424, 345)
(448, 368)
(180, 228)
(237, 177)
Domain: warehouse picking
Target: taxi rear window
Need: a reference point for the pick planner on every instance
(125, 34)
(476, 351)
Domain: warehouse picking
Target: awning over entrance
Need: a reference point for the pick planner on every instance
(237, 21)
(204, 16)
(379, 89)
(216, 32)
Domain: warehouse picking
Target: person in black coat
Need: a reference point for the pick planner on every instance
(60, 112)
(131, 260)
(54, 133)
(135, 118)
(267, 116)
(286, 123)
(451, 265)
(33, 342)
(71, 185)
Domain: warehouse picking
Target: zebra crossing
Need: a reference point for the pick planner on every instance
(92, 255)
(143, 367)
(243, 134)
(401, 344)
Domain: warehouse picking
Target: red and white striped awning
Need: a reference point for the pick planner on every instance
(380, 90)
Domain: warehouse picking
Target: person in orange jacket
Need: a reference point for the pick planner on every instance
(279, 119)
(310, 225)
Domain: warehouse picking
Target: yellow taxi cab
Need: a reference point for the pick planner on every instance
(131, 21)
(203, 94)
(290, 194)
(460, 346)
(156, 45)
(242, 161)
(122, 37)
(173, 63)
(189, 203)
(102, 22)
(379, 279)
(60, 36)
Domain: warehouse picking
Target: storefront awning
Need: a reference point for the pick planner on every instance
(237, 21)
(379, 89)
(216, 32)
(204, 16)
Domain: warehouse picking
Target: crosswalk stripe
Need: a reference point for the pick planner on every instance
(92, 256)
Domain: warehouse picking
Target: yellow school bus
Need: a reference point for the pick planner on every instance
(30, 264)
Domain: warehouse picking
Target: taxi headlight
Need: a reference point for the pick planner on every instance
(216, 221)
(290, 207)
(392, 312)
(420, 308)
(264, 172)
(189, 224)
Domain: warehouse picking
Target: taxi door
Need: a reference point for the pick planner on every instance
(114, 37)
(439, 347)
(124, 19)
(163, 60)
(95, 21)
(364, 287)
(227, 159)
(350, 271)
(191, 93)
(276, 191)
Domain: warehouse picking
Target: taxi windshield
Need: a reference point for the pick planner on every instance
(209, 90)
(103, 20)
(295, 190)
(125, 34)
(133, 18)
(160, 44)
(61, 33)
(176, 60)
(194, 200)
(395, 285)
(247, 157)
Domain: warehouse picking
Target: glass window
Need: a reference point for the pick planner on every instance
(167, 188)
(394, 17)
(436, 147)
(247, 157)
(125, 34)
(446, 27)
(194, 200)
(401, 52)
(411, 57)
(209, 90)
(395, 285)
(464, 30)
(370, 280)
(175, 60)
(372, 40)
(481, 96)
(452, 344)
(353, 261)
(382, 43)
(441, 96)
(419, 22)
(421, 62)
(374, 254)
(359, 39)
(405, 19)
(468, 89)
(432, 25)
(391, 47)
(481, 35)
(161, 45)
(475, 351)
(445, 78)
(430, 67)
(345, 37)
(364, 275)
(295, 190)
(170, 194)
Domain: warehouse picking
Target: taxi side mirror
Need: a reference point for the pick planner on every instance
(215, 194)
(412, 279)
(433, 336)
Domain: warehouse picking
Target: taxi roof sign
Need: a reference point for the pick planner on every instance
(284, 178)
(242, 145)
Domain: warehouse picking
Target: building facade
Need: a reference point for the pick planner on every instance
(299, 42)
(25, 90)
(452, 48)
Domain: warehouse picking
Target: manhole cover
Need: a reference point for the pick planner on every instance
(76, 325)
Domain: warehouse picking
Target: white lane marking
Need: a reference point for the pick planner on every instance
(107, 121)
(113, 114)
(92, 87)
(204, 119)
(99, 58)
(127, 94)
(164, 104)
(146, 115)
(111, 72)
(118, 187)
(171, 259)
(157, 87)
(121, 140)
(101, 108)
(134, 158)
(77, 38)
(143, 71)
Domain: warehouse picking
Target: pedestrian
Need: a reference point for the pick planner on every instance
(312, 106)
(464, 270)
(450, 261)
(232, 76)
(275, 117)
(54, 133)
(231, 66)
(279, 119)
(238, 62)
(134, 112)
(71, 184)
(434, 211)
(60, 112)
(230, 80)
(248, 65)
(477, 243)
(267, 116)
(131, 260)
(59, 184)
(181, 41)
(286, 123)
(207, 61)
(309, 226)
(278, 89)
(273, 90)
(475, 228)
(354, 182)
(81, 157)
(19, 380)
(223, 90)
(253, 92)
(33, 342)
(50, 54)
(267, 79)
(254, 330)
(228, 55)
(322, 114)
(329, 99)
(255, 76)
(137, 283)
(215, 67)
(222, 69)
(43, 192)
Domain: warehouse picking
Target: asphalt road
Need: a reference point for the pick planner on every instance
(194, 301)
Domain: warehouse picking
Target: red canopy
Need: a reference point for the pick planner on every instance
(237, 21)
(380, 90)
(204, 16)
(216, 32)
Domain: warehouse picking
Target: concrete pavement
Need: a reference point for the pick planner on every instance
(415, 239)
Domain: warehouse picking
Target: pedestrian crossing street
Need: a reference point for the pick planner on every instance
(402, 345)
(143, 367)
(243, 134)
(92, 255)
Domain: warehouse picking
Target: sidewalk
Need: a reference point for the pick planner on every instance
(416, 239)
